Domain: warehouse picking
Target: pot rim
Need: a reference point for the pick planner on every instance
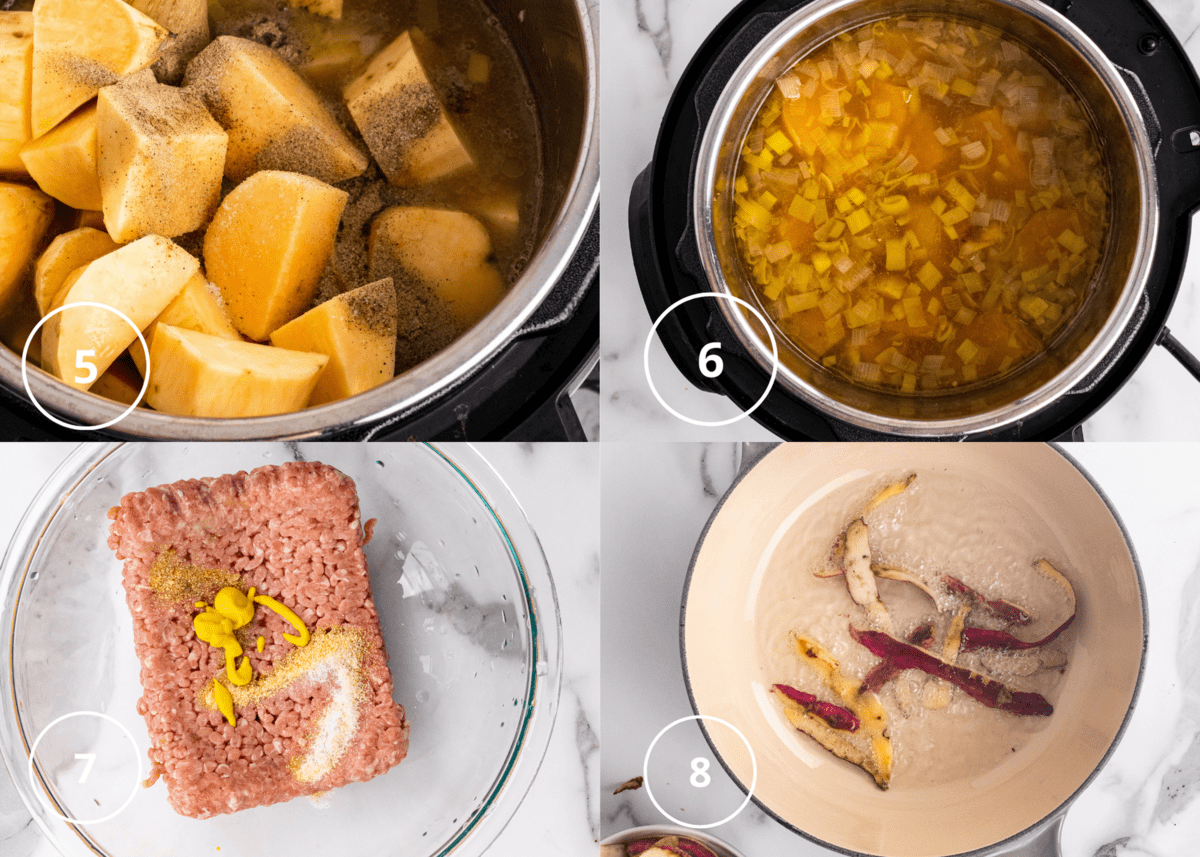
(397, 399)
(1106, 342)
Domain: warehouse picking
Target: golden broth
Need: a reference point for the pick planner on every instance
(921, 204)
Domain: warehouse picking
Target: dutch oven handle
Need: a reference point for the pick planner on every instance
(1045, 843)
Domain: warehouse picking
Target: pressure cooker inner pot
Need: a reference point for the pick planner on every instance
(552, 43)
(1111, 296)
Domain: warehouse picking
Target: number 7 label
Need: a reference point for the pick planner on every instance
(87, 769)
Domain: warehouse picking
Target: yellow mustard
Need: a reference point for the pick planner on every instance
(224, 701)
(233, 609)
(290, 617)
(235, 606)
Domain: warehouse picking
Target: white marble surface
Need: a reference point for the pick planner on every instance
(645, 46)
(557, 485)
(656, 500)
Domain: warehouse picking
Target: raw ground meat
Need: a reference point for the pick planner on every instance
(292, 531)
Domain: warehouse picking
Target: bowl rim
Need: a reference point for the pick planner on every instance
(528, 746)
(632, 834)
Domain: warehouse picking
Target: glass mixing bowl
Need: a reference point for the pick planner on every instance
(469, 616)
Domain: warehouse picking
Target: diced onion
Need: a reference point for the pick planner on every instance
(869, 373)
(790, 87)
(974, 150)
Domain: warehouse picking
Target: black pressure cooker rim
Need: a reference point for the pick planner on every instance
(1164, 83)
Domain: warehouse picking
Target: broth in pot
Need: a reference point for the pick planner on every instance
(921, 204)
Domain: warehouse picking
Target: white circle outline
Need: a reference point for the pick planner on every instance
(25, 367)
(749, 792)
(40, 793)
(774, 359)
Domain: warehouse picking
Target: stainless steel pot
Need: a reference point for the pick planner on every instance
(557, 42)
(1112, 304)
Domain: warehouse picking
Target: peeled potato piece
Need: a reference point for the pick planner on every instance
(139, 279)
(274, 119)
(401, 117)
(161, 159)
(267, 246)
(445, 250)
(16, 76)
(357, 331)
(25, 215)
(63, 161)
(66, 253)
(196, 375)
(328, 8)
(120, 384)
(188, 20)
(80, 46)
(195, 308)
(500, 211)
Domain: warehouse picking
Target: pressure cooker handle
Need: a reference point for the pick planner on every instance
(652, 279)
(1162, 81)
(1179, 352)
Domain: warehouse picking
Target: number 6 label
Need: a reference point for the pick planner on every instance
(81, 363)
(711, 365)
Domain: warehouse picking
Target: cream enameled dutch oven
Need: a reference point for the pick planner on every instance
(1016, 807)
(507, 376)
(1144, 98)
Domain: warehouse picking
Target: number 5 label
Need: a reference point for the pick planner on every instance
(81, 363)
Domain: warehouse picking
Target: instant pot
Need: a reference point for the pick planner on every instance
(509, 377)
(1143, 95)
